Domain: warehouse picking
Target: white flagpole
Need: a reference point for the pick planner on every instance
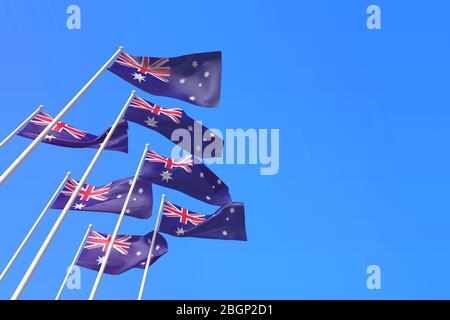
(69, 204)
(77, 255)
(150, 252)
(33, 228)
(116, 229)
(52, 124)
(23, 124)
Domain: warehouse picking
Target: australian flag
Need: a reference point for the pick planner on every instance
(228, 223)
(65, 135)
(109, 198)
(128, 251)
(167, 120)
(195, 78)
(193, 179)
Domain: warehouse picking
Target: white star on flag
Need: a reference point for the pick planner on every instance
(206, 74)
(225, 233)
(166, 176)
(182, 81)
(49, 137)
(180, 231)
(139, 77)
(194, 64)
(100, 260)
(79, 206)
(151, 122)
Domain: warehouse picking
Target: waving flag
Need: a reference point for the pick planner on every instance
(194, 78)
(167, 120)
(65, 135)
(195, 180)
(109, 198)
(128, 251)
(228, 223)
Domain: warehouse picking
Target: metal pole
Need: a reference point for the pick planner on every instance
(23, 124)
(150, 252)
(35, 225)
(77, 255)
(52, 124)
(119, 222)
(69, 203)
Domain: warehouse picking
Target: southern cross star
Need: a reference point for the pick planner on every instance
(194, 64)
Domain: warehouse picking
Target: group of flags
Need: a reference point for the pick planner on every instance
(194, 78)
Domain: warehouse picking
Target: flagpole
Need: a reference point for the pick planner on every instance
(52, 124)
(69, 203)
(119, 222)
(35, 225)
(23, 124)
(150, 252)
(77, 255)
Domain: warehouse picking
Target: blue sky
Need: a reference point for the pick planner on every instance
(363, 118)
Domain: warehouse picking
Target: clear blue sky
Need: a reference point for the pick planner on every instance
(363, 118)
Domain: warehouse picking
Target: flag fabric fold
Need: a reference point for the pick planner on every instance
(109, 198)
(65, 135)
(166, 120)
(227, 223)
(193, 179)
(194, 78)
(129, 251)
